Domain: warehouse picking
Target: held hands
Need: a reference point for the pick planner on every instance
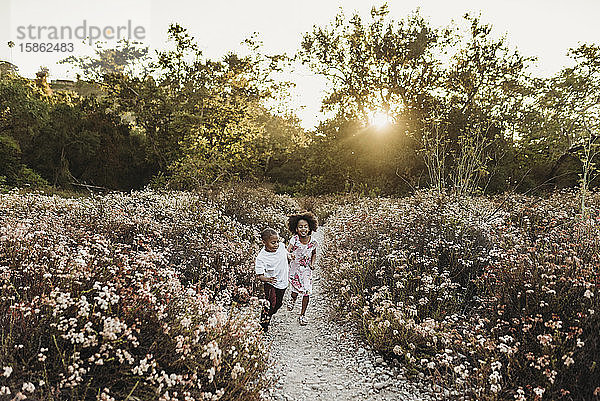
(291, 256)
(270, 280)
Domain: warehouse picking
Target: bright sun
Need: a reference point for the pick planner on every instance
(380, 119)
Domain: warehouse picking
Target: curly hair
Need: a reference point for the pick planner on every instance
(308, 216)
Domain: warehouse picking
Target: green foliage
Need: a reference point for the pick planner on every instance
(376, 66)
(462, 114)
(64, 139)
(565, 123)
(205, 121)
(125, 58)
(457, 117)
(23, 111)
(10, 153)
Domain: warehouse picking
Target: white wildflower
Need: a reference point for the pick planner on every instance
(186, 322)
(236, 371)
(29, 387)
(211, 374)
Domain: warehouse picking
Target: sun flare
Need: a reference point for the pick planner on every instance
(380, 119)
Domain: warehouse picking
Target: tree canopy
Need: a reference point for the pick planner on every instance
(409, 104)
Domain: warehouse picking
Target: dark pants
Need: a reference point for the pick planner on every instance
(275, 298)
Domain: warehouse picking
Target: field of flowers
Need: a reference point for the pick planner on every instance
(494, 298)
(133, 296)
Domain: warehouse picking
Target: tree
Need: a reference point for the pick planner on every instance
(382, 66)
(378, 67)
(485, 88)
(23, 111)
(7, 68)
(203, 120)
(457, 115)
(126, 58)
(569, 116)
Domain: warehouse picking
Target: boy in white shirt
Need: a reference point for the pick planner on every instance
(271, 268)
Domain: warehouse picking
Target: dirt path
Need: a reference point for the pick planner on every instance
(325, 361)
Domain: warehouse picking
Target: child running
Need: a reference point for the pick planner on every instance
(271, 268)
(303, 249)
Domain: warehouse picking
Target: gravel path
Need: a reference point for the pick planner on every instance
(326, 361)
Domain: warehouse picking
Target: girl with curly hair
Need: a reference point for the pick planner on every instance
(303, 252)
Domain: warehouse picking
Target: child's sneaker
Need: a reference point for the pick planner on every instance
(302, 320)
(290, 305)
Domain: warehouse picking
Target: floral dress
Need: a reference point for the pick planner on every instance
(300, 271)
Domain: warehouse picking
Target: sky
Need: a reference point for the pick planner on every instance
(542, 28)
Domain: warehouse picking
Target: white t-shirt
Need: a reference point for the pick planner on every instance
(274, 264)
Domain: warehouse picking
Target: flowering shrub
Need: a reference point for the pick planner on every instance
(256, 206)
(324, 206)
(498, 298)
(123, 296)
